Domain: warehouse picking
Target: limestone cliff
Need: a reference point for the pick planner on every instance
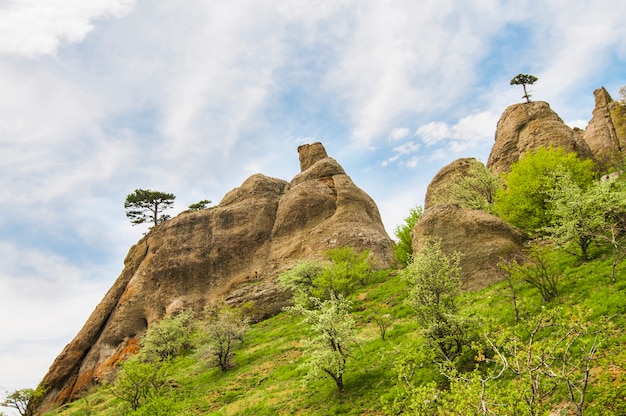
(234, 250)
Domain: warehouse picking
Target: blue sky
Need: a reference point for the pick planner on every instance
(102, 97)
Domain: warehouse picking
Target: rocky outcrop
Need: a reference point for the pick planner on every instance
(461, 174)
(528, 126)
(481, 239)
(601, 134)
(233, 251)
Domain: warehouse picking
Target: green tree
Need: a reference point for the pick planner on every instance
(345, 271)
(334, 338)
(523, 80)
(167, 338)
(19, 400)
(145, 205)
(139, 382)
(475, 188)
(524, 201)
(583, 216)
(434, 280)
(200, 205)
(403, 249)
(538, 268)
(224, 327)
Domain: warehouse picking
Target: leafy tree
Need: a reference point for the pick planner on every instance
(346, 271)
(475, 189)
(434, 282)
(554, 350)
(139, 382)
(19, 400)
(582, 216)
(403, 249)
(167, 338)
(200, 205)
(334, 338)
(523, 80)
(524, 201)
(145, 205)
(539, 269)
(224, 327)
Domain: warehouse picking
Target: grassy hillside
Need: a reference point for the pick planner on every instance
(267, 378)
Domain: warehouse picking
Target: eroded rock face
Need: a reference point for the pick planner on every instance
(481, 239)
(528, 126)
(233, 251)
(601, 134)
(438, 191)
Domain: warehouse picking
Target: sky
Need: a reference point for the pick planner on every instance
(101, 97)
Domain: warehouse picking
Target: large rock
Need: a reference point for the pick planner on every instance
(601, 134)
(456, 174)
(528, 126)
(233, 251)
(481, 238)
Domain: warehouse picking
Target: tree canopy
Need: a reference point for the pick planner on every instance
(145, 205)
(524, 201)
(523, 80)
(403, 249)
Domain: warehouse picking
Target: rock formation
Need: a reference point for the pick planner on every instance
(528, 126)
(451, 175)
(481, 238)
(234, 250)
(601, 134)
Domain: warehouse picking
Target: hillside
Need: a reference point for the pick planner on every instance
(266, 379)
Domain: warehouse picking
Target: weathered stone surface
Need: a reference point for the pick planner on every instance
(528, 126)
(438, 191)
(601, 134)
(481, 239)
(233, 251)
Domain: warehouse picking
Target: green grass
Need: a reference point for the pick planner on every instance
(266, 378)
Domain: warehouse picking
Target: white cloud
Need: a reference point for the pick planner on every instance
(434, 132)
(408, 58)
(45, 300)
(466, 133)
(399, 133)
(31, 27)
(581, 124)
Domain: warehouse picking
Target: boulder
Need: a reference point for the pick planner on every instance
(481, 238)
(453, 174)
(528, 126)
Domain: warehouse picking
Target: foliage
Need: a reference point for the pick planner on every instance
(200, 205)
(145, 205)
(434, 283)
(20, 399)
(167, 338)
(538, 267)
(270, 362)
(224, 327)
(582, 216)
(403, 250)
(346, 271)
(475, 189)
(139, 382)
(523, 80)
(334, 338)
(524, 200)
